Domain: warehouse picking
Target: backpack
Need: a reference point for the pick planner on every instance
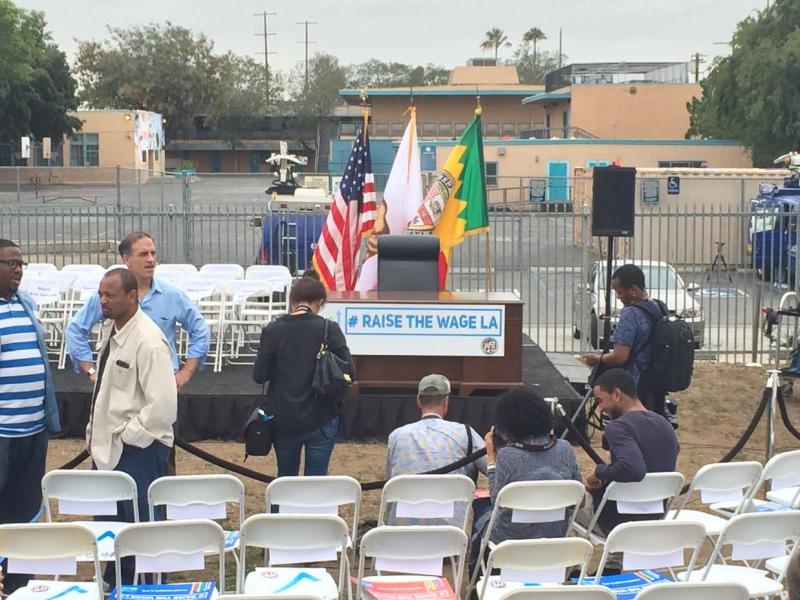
(671, 347)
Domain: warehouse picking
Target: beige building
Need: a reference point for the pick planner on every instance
(443, 111)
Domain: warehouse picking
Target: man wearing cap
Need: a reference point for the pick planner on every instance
(433, 442)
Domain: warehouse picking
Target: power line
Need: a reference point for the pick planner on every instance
(306, 42)
(266, 52)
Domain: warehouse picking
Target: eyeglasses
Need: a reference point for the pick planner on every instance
(13, 264)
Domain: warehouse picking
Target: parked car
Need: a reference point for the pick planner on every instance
(663, 283)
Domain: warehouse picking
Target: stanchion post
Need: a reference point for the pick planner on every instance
(773, 382)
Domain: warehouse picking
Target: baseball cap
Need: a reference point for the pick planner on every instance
(433, 384)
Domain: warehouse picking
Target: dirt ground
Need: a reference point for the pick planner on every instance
(712, 415)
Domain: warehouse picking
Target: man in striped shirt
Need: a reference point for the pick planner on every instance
(27, 400)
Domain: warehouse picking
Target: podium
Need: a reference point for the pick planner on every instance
(472, 338)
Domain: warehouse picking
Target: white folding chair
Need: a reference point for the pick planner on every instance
(544, 561)
(317, 495)
(224, 270)
(753, 537)
(718, 482)
(584, 592)
(415, 550)
(40, 269)
(431, 499)
(294, 539)
(170, 547)
(782, 472)
(200, 497)
(652, 495)
(680, 590)
(51, 549)
(529, 502)
(281, 280)
(174, 272)
(654, 545)
(205, 292)
(50, 293)
(84, 270)
(91, 493)
(248, 309)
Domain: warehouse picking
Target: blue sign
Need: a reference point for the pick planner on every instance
(168, 591)
(627, 586)
(673, 185)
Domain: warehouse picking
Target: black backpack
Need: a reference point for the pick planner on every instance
(672, 349)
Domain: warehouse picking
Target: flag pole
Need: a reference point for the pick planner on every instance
(489, 287)
(364, 113)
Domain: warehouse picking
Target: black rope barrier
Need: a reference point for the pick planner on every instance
(376, 485)
(787, 422)
(71, 464)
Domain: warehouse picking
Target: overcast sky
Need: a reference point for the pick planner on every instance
(445, 32)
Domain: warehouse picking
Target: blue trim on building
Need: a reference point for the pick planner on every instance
(421, 91)
(547, 97)
(591, 142)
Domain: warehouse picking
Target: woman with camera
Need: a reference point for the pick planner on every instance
(521, 447)
(287, 359)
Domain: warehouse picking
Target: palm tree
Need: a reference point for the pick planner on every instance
(534, 35)
(495, 38)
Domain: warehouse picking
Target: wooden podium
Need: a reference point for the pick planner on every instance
(467, 374)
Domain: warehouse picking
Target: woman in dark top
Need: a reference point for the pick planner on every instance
(287, 359)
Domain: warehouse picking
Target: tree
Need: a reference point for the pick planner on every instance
(752, 94)
(495, 39)
(533, 70)
(533, 36)
(36, 88)
(172, 71)
(375, 73)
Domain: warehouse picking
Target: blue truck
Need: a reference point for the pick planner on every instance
(773, 225)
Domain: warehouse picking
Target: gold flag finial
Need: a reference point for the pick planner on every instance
(478, 109)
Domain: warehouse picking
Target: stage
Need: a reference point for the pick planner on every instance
(216, 405)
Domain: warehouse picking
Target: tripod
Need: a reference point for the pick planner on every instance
(719, 264)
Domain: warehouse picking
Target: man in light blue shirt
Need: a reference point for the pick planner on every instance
(433, 442)
(165, 304)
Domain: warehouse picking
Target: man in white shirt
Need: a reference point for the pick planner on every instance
(135, 400)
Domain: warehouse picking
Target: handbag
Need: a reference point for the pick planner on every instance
(331, 381)
(258, 434)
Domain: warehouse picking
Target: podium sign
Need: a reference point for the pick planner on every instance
(421, 329)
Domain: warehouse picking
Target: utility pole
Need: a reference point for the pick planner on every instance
(306, 42)
(697, 59)
(266, 35)
(559, 47)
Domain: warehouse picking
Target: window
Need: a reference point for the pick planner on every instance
(492, 130)
(491, 174)
(350, 128)
(460, 127)
(381, 129)
(509, 129)
(84, 150)
(591, 164)
(429, 129)
(445, 130)
(398, 129)
(682, 164)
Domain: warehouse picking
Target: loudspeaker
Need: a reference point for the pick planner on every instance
(613, 191)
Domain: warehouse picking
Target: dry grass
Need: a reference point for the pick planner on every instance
(713, 414)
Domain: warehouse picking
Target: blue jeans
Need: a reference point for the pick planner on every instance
(21, 471)
(145, 465)
(318, 446)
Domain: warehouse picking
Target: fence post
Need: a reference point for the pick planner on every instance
(118, 219)
(756, 320)
(187, 207)
(18, 185)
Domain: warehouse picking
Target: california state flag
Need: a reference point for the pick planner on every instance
(402, 198)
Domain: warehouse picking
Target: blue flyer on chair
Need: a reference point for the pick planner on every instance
(627, 585)
(169, 591)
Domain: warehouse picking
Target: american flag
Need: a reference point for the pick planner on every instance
(352, 215)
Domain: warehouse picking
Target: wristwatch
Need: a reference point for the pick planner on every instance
(91, 372)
